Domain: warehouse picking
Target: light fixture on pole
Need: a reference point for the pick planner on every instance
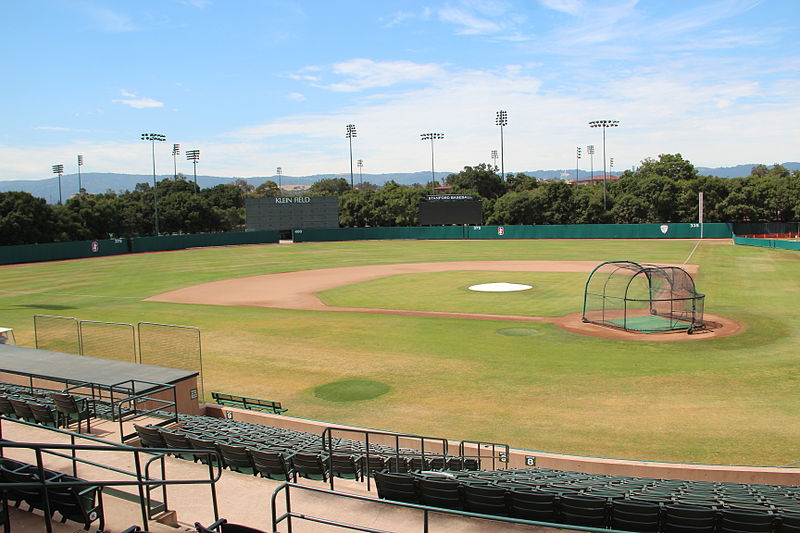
(153, 137)
(577, 158)
(431, 137)
(80, 164)
(502, 120)
(194, 157)
(279, 172)
(176, 151)
(360, 164)
(610, 162)
(58, 169)
(590, 151)
(494, 158)
(604, 124)
(351, 132)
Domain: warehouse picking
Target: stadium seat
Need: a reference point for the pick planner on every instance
(484, 499)
(177, 441)
(635, 516)
(43, 414)
(371, 464)
(6, 409)
(582, 510)
(788, 523)
(398, 487)
(71, 409)
(689, 519)
(439, 493)
(77, 503)
(738, 521)
(397, 464)
(22, 409)
(310, 466)
(205, 445)
(150, 437)
(237, 458)
(271, 465)
(532, 505)
(346, 466)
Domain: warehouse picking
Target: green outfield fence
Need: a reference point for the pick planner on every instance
(573, 231)
(767, 243)
(31, 253)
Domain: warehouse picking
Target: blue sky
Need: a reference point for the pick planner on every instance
(259, 84)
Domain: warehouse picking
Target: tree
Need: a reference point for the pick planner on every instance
(480, 179)
(329, 187)
(266, 190)
(672, 166)
(25, 219)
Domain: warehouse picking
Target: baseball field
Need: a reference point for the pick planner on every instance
(531, 384)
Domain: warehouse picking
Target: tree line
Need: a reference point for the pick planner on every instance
(659, 190)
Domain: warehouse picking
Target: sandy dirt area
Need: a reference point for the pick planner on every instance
(297, 290)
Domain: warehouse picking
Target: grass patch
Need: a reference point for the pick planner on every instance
(351, 390)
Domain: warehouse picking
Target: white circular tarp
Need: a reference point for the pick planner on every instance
(500, 287)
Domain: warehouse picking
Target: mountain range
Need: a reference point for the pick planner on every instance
(101, 182)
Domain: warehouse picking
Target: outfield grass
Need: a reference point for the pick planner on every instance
(727, 400)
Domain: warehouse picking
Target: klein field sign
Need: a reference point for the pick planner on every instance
(291, 212)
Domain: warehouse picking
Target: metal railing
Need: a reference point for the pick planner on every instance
(141, 478)
(328, 448)
(425, 510)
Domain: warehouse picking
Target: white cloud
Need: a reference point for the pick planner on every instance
(361, 74)
(571, 7)
(135, 102)
(109, 20)
(297, 97)
(52, 128)
(470, 23)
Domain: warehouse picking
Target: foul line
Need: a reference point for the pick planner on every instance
(692, 252)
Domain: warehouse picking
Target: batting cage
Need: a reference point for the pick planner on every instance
(643, 298)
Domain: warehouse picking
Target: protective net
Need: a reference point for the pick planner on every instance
(108, 340)
(56, 333)
(642, 297)
(171, 346)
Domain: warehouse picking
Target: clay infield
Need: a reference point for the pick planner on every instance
(297, 290)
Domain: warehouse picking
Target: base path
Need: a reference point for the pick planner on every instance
(297, 290)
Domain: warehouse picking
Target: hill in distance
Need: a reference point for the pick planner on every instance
(101, 182)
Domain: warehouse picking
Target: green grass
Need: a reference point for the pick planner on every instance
(351, 390)
(553, 294)
(728, 400)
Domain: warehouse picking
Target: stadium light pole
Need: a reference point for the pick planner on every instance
(279, 172)
(194, 157)
(577, 158)
(431, 137)
(351, 132)
(494, 158)
(153, 137)
(176, 151)
(604, 124)
(502, 120)
(59, 169)
(360, 164)
(80, 164)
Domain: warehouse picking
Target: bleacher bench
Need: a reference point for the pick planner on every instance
(255, 404)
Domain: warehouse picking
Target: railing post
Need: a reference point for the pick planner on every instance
(288, 509)
(144, 501)
(48, 514)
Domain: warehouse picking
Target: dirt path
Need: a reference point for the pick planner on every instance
(297, 290)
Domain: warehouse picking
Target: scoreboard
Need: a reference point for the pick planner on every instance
(450, 209)
(291, 212)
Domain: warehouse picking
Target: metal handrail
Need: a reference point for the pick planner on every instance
(426, 510)
(142, 480)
